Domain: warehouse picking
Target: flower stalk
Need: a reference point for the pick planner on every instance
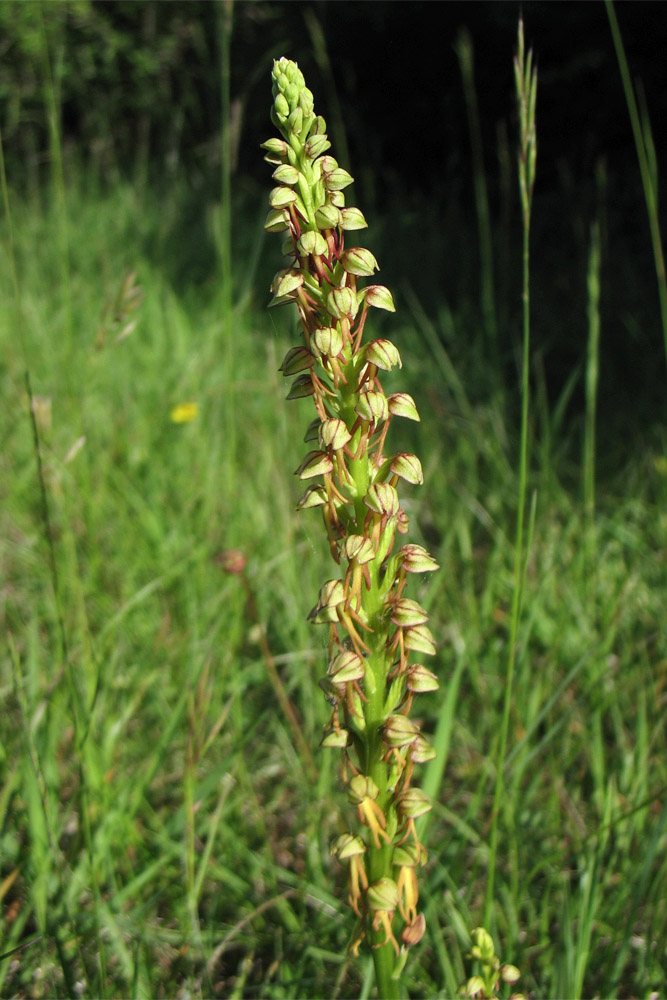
(375, 630)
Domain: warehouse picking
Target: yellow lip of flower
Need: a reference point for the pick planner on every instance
(183, 413)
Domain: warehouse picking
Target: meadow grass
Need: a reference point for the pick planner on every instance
(161, 833)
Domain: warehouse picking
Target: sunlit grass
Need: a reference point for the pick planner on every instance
(208, 842)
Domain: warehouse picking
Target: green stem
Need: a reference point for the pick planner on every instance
(517, 589)
(384, 958)
(592, 370)
(526, 91)
(464, 51)
(225, 245)
(644, 145)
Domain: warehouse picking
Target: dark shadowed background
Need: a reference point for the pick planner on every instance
(139, 92)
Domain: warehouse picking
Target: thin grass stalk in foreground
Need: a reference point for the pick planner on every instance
(59, 192)
(592, 367)
(226, 14)
(47, 917)
(526, 89)
(464, 51)
(648, 166)
(374, 630)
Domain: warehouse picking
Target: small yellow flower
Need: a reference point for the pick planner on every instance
(184, 413)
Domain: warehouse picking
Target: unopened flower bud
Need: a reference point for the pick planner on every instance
(335, 739)
(399, 731)
(312, 243)
(286, 174)
(414, 932)
(383, 354)
(419, 638)
(316, 145)
(348, 846)
(407, 612)
(359, 548)
(382, 498)
(378, 296)
(315, 496)
(509, 974)
(348, 666)
(297, 359)
(316, 463)
(334, 433)
(415, 559)
(420, 680)
(361, 787)
(328, 217)
(372, 406)
(329, 341)
(342, 302)
(360, 262)
(408, 467)
(352, 218)
(383, 895)
(413, 803)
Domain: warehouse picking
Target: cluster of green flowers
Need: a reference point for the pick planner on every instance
(375, 630)
(486, 983)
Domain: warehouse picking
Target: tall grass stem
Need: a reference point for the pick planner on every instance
(526, 90)
(52, 100)
(225, 236)
(592, 369)
(464, 51)
(641, 130)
